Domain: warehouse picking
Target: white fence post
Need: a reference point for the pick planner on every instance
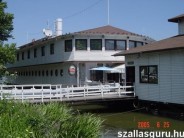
(86, 89)
(50, 92)
(84, 92)
(42, 93)
(133, 89)
(68, 92)
(61, 95)
(102, 94)
(119, 91)
(22, 95)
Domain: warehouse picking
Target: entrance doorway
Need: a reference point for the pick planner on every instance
(130, 75)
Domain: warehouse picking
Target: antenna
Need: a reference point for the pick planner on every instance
(108, 21)
(48, 25)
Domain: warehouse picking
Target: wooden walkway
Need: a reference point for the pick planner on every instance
(49, 93)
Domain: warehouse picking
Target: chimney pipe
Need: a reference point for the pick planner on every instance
(58, 26)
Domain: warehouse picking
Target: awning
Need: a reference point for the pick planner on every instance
(106, 69)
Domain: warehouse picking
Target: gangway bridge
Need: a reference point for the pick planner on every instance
(49, 93)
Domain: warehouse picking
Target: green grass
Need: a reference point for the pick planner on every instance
(53, 120)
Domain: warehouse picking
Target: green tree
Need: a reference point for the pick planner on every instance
(7, 51)
(6, 22)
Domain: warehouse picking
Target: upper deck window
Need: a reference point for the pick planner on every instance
(96, 44)
(17, 56)
(35, 52)
(133, 44)
(43, 50)
(68, 45)
(120, 45)
(81, 44)
(115, 45)
(28, 54)
(22, 55)
(109, 44)
(51, 49)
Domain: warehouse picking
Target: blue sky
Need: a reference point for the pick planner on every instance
(146, 17)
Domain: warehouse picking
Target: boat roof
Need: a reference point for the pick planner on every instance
(176, 42)
(104, 30)
(176, 19)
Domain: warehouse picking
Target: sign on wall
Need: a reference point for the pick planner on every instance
(72, 70)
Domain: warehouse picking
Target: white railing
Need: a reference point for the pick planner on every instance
(47, 92)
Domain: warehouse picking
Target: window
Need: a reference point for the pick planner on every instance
(51, 49)
(32, 73)
(47, 73)
(120, 45)
(139, 44)
(43, 50)
(95, 44)
(115, 45)
(133, 44)
(22, 55)
(35, 73)
(149, 74)
(56, 72)
(17, 56)
(43, 73)
(51, 73)
(68, 45)
(109, 44)
(81, 44)
(35, 52)
(39, 73)
(28, 54)
(61, 72)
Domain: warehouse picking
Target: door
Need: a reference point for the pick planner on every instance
(130, 75)
(82, 73)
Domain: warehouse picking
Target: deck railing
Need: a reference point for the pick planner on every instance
(47, 92)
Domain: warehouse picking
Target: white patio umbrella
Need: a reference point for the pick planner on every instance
(120, 68)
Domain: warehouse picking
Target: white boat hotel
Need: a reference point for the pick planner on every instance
(68, 58)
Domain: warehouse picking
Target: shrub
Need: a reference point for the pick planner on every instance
(53, 120)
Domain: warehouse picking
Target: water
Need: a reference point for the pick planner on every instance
(122, 116)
